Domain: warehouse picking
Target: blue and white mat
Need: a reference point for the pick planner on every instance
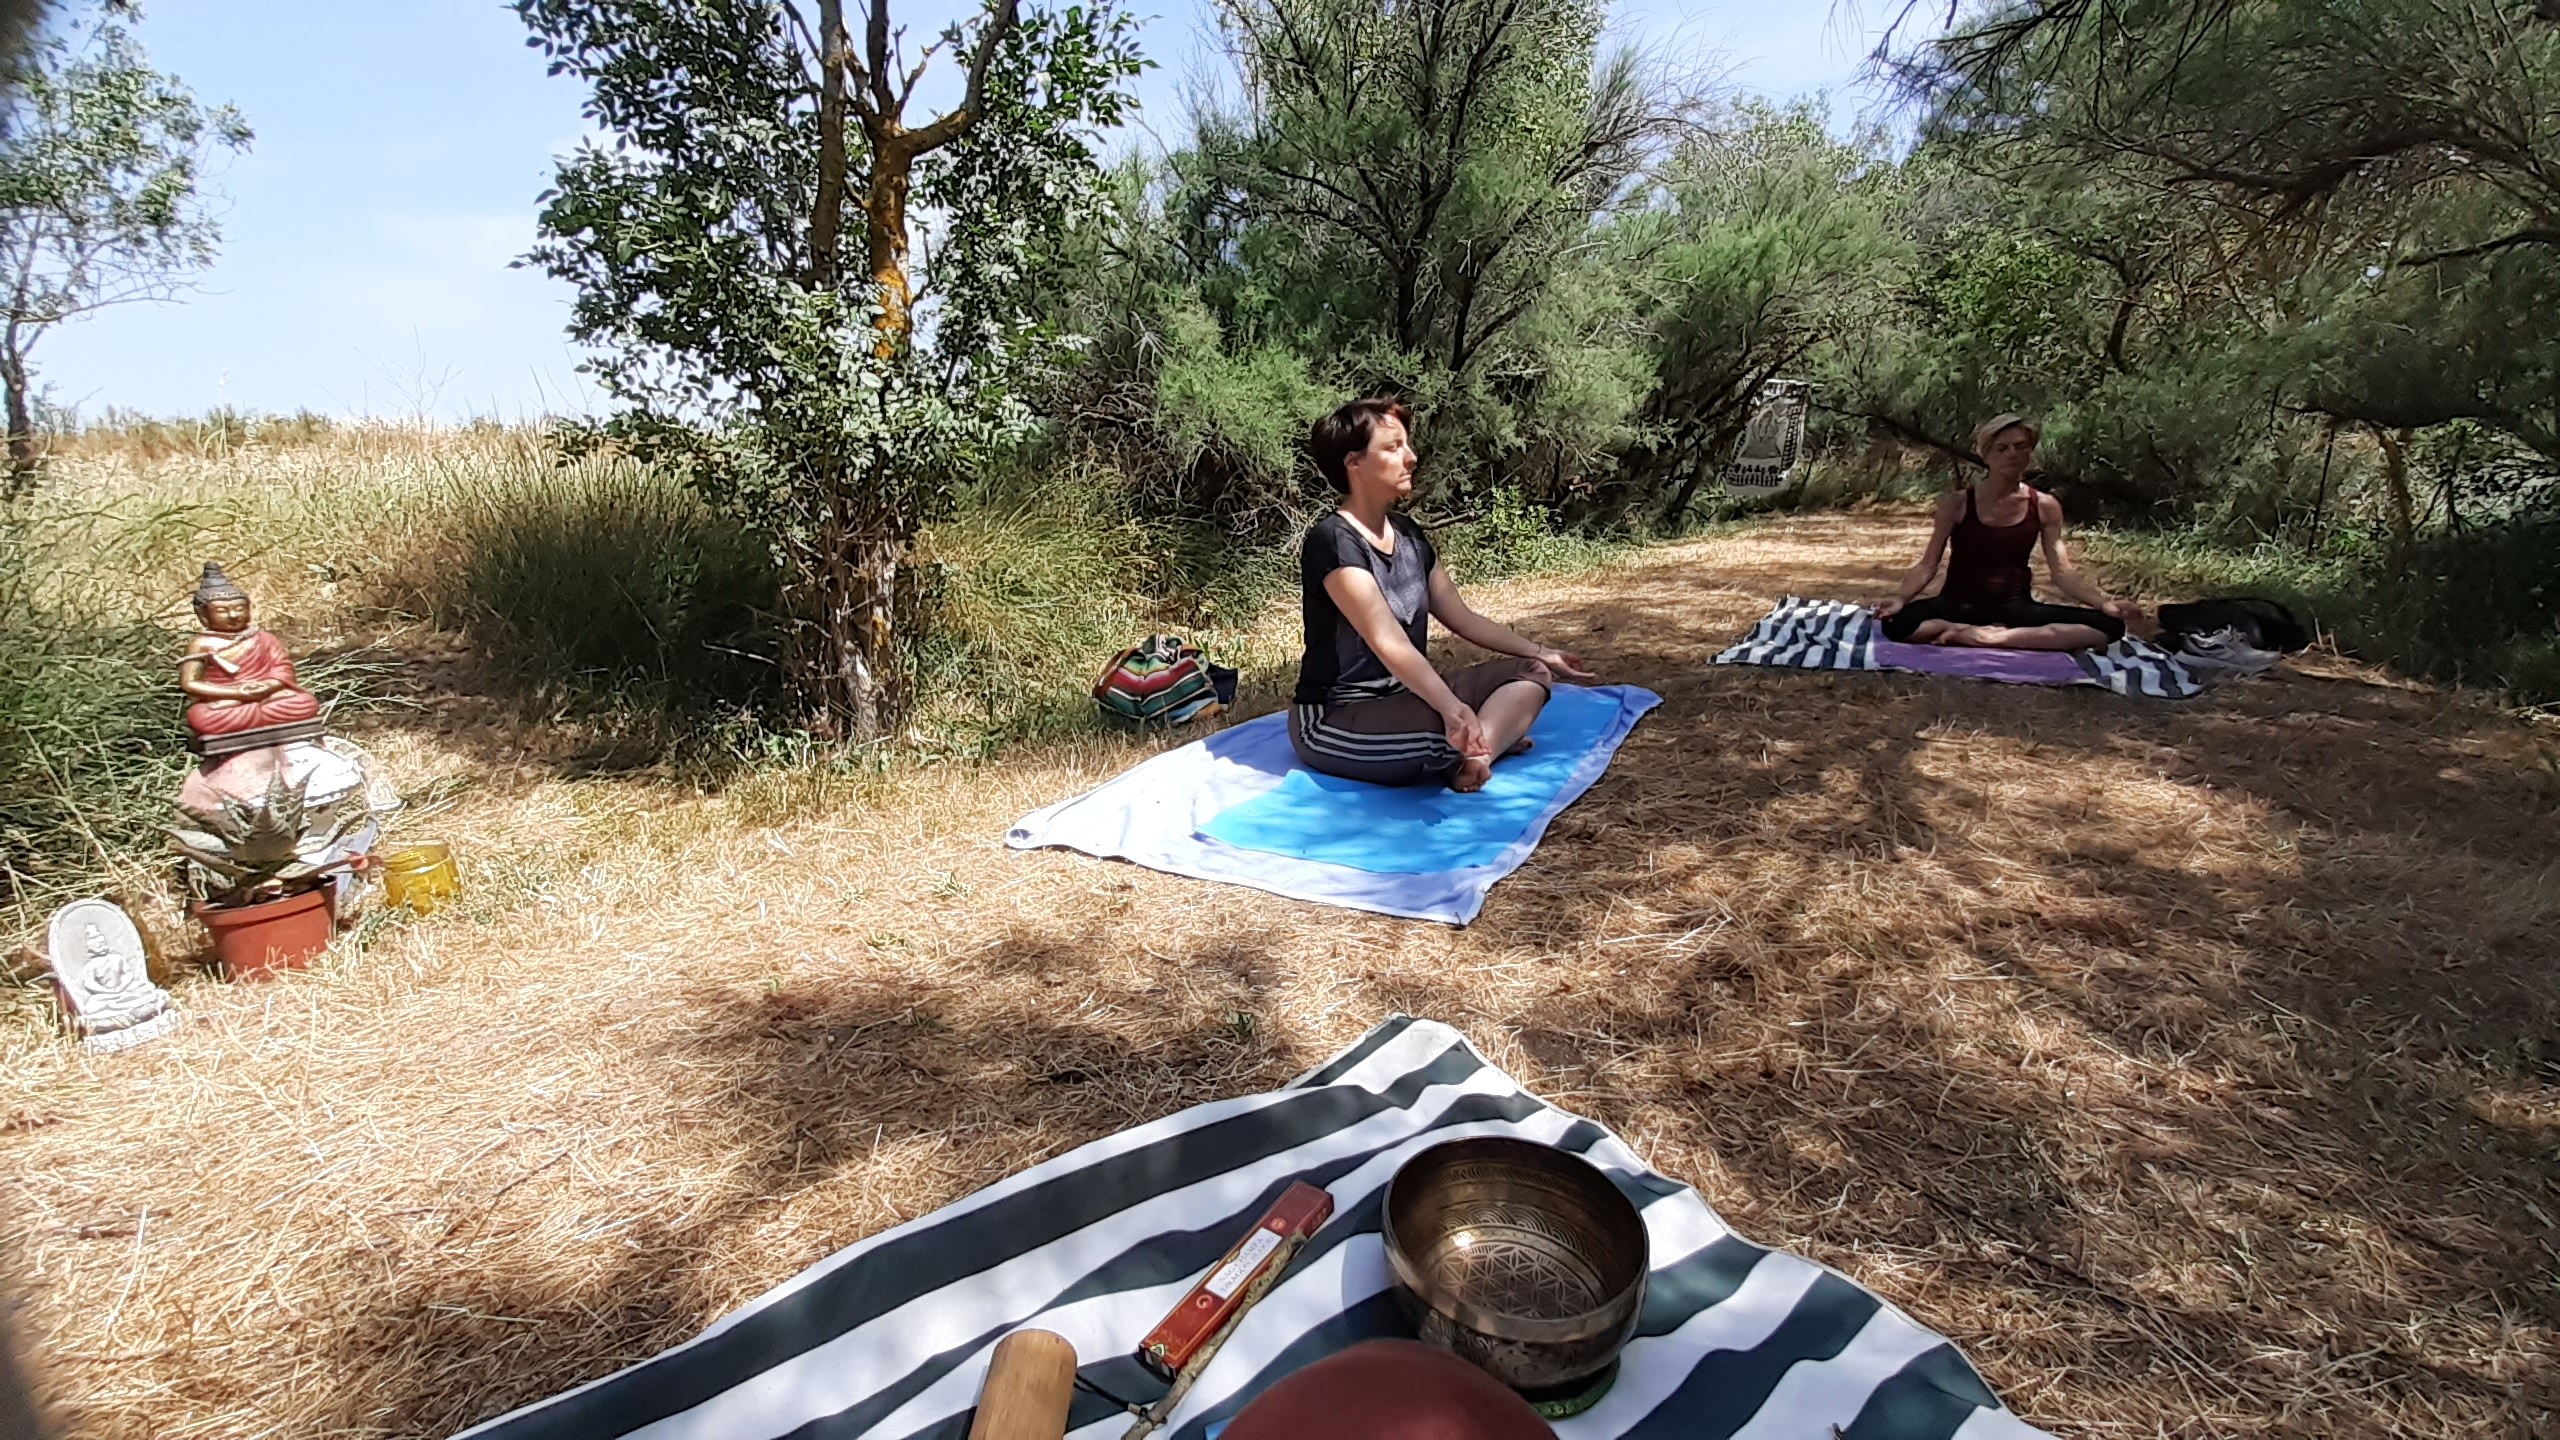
(1237, 806)
(890, 1338)
(1834, 635)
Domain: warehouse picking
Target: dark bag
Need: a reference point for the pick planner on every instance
(2263, 624)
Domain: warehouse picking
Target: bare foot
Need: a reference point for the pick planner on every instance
(1472, 773)
(1522, 746)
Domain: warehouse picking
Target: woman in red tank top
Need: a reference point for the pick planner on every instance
(1987, 533)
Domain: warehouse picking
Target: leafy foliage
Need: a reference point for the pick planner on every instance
(1767, 239)
(101, 159)
(605, 581)
(1402, 198)
(768, 349)
(2285, 106)
(1409, 177)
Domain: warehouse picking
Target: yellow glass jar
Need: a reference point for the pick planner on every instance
(420, 878)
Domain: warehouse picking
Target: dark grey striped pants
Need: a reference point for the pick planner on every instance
(1397, 739)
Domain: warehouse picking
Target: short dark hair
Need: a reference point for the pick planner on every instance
(1347, 432)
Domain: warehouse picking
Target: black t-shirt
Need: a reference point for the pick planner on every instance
(1339, 666)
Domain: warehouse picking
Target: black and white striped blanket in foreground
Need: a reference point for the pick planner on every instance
(1834, 635)
(891, 1337)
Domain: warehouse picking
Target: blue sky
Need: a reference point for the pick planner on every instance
(400, 148)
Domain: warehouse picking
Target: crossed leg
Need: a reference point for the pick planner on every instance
(1507, 715)
(1399, 740)
(2012, 637)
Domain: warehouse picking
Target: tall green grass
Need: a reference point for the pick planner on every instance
(89, 758)
(1044, 573)
(603, 582)
(2478, 607)
(1515, 538)
(599, 589)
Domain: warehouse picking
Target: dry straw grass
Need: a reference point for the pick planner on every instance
(2191, 1066)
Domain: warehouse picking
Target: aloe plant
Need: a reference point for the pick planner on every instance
(279, 838)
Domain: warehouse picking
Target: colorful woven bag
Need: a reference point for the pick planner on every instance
(1163, 678)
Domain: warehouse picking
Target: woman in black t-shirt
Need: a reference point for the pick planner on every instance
(1369, 706)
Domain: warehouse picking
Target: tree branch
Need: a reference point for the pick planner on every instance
(803, 41)
(2531, 235)
(1003, 16)
(826, 221)
(1907, 433)
(907, 88)
(877, 47)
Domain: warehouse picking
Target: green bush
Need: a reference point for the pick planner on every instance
(1047, 571)
(2477, 607)
(1513, 537)
(604, 579)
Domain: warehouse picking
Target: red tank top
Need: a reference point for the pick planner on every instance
(1989, 562)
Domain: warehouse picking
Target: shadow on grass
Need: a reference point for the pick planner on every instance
(2215, 1036)
(2188, 1065)
(853, 1091)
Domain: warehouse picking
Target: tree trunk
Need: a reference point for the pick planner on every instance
(852, 601)
(2395, 473)
(2320, 507)
(22, 431)
(1688, 494)
(2126, 302)
(884, 206)
(1697, 456)
(846, 651)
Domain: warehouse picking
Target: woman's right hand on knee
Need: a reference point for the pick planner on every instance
(1466, 733)
(1891, 608)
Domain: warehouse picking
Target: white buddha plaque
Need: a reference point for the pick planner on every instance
(100, 973)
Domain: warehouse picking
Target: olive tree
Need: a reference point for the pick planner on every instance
(741, 240)
(101, 162)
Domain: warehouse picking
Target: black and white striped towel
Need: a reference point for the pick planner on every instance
(890, 1337)
(1834, 635)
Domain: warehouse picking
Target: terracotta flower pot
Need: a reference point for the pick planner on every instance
(255, 941)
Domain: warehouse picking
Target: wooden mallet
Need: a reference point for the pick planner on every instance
(1031, 1383)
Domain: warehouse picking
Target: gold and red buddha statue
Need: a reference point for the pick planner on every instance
(264, 765)
(237, 677)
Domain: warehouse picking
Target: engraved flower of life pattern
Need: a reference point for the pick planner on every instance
(1509, 1262)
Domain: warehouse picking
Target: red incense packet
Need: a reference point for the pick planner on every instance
(1179, 1336)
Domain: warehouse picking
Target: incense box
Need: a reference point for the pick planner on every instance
(1179, 1337)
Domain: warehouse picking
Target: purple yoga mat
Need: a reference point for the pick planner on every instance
(2015, 667)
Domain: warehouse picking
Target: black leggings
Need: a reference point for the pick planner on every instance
(2016, 614)
(1396, 739)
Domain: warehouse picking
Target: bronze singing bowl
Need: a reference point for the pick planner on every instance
(1517, 1256)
